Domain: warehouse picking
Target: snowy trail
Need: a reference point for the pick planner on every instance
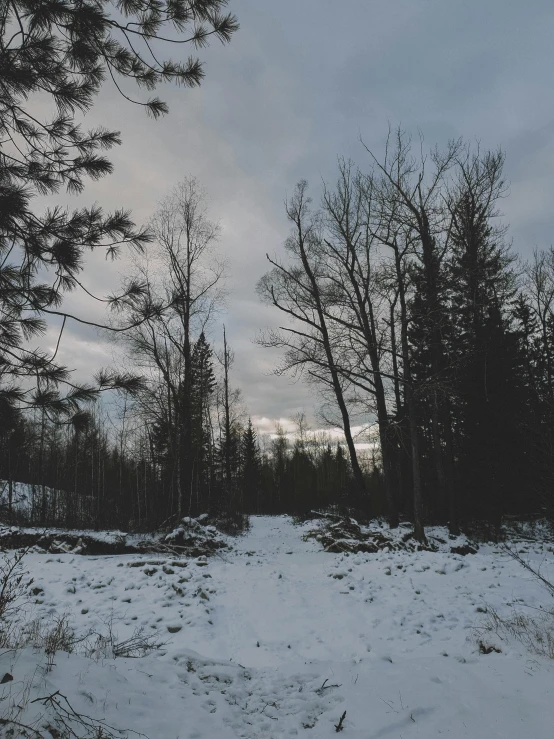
(387, 638)
(276, 594)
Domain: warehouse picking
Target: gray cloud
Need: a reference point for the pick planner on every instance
(298, 85)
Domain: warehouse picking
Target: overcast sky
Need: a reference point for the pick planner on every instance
(297, 86)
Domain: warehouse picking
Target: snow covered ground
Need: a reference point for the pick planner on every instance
(278, 639)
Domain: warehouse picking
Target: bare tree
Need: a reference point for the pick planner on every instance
(412, 219)
(350, 258)
(184, 274)
(299, 291)
(228, 358)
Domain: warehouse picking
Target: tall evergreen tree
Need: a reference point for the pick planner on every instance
(203, 383)
(483, 346)
(250, 470)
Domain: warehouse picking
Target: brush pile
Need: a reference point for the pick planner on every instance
(194, 537)
(340, 535)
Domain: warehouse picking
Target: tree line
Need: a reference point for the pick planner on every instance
(402, 301)
(121, 472)
(405, 304)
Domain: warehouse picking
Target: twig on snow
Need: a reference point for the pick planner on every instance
(323, 687)
(339, 726)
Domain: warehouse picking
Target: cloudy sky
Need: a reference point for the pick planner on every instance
(299, 84)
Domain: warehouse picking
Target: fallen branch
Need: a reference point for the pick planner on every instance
(67, 718)
(323, 687)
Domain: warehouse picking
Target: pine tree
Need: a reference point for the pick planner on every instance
(537, 420)
(484, 348)
(196, 445)
(279, 453)
(326, 477)
(341, 476)
(250, 469)
(302, 479)
(526, 327)
(203, 385)
(428, 333)
(62, 51)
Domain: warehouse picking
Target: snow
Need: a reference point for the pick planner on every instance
(277, 638)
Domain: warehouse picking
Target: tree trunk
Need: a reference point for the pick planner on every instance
(337, 387)
(419, 530)
(453, 524)
(227, 414)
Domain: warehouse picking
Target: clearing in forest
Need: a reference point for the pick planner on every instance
(277, 638)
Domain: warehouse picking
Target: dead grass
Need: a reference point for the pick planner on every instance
(57, 717)
(534, 632)
(533, 628)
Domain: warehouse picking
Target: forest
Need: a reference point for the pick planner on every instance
(405, 308)
(276, 369)
(402, 302)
